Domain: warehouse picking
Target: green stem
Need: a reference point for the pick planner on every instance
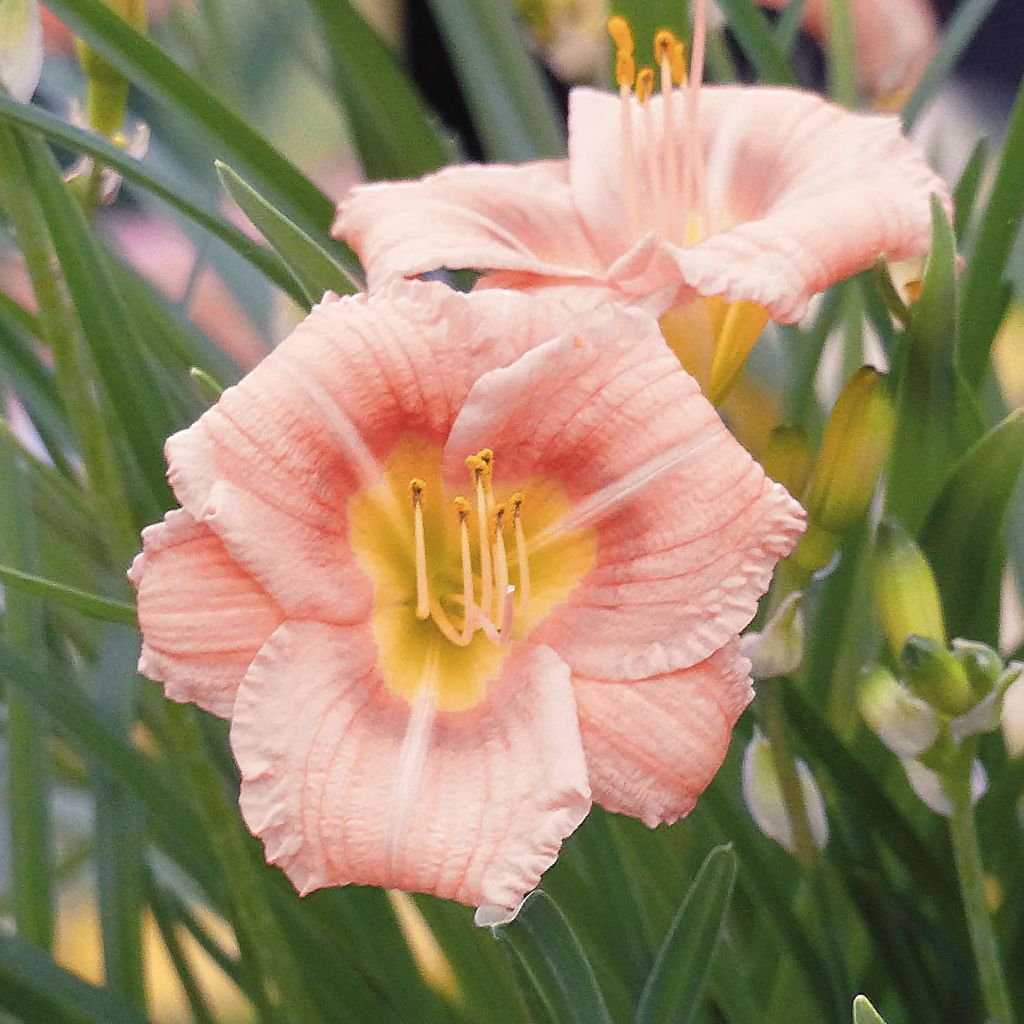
(970, 870)
(774, 723)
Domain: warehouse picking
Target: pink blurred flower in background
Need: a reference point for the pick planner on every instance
(58, 38)
(894, 41)
(454, 565)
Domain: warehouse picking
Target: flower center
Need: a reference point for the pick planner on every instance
(457, 578)
(677, 207)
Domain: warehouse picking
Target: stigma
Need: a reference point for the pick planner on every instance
(489, 597)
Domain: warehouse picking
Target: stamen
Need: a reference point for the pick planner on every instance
(468, 627)
(500, 557)
(416, 489)
(693, 183)
(667, 51)
(477, 466)
(522, 559)
(507, 610)
(644, 88)
(625, 73)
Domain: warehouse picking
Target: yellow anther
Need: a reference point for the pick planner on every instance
(644, 85)
(463, 507)
(516, 501)
(625, 69)
(664, 40)
(416, 489)
(677, 62)
(621, 33)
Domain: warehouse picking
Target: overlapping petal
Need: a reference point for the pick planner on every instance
(203, 618)
(320, 743)
(652, 746)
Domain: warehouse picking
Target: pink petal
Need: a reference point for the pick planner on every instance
(320, 740)
(653, 746)
(202, 618)
(801, 193)
(271, 467)
(501, 217)
(689, 528)
(894, 40)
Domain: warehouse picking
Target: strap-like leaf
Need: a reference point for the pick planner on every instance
(673, 990)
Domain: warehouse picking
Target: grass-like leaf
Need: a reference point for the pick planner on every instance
(758, 42)
(963, 536)
(985, 292)
(93, 605)
(674, 988)
(315, 270)
(511, 104)
(555, 962)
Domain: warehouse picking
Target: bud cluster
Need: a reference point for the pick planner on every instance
(947, 693)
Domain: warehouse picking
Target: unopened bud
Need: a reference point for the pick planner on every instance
(907, 725)
(778, 649)
(21, 48)
(853, 452)
(906, 595)
(1012, 718)
(788, 458)
(982, 664)
(936, 676)
(762, 794)
(927, 785)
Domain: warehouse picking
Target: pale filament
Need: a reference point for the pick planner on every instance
(497, 600)
(693, 183)
(625, 73)
(644, 85)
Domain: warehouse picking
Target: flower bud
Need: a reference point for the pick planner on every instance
(904, 723)
(927, 786)
(778, 649)
(21, 48)
(853, 452)
(906, 595)
(762, 794)
(982, 664)
(936, 676)
(788, 458)
(1012, 718)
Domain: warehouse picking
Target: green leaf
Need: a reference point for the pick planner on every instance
(962, 27)
(554, 961)
(963, 534)
(314, 269)
(149, 68)
(935, 416)
(757, 41)
(35, 988)
(393, 130)
(984, 290)
(864, 1012)
(93, 605)
(673, 990)
(966, 190)
(511, 104)
(154, 181)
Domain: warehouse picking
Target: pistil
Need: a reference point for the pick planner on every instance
(644, 87)
(416, 489)
(516, 501)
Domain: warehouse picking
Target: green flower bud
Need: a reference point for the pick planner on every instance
(907, 725)
(936, 676)
(788, 458)
(906, 595)
(982, 664)
(853, 452)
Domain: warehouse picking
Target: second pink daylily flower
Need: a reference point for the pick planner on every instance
(454, 566)
(755, 199)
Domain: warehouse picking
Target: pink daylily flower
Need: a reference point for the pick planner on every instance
(759, 197)
(894, 41)
(455, 566)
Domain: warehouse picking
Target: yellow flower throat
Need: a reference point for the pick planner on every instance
(456, 578)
